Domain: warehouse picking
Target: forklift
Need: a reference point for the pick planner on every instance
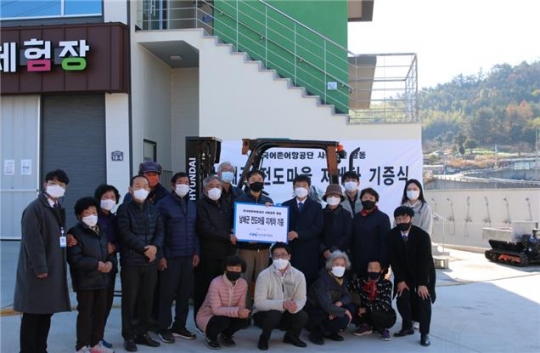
(203, 153)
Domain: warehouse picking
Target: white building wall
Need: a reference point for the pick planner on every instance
(117, 139)
(115, 11)
(463, 213)
(185, 113)
(151, 105)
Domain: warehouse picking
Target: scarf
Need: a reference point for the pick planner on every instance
(370, 287)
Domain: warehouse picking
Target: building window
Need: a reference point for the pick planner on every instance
(27, 9)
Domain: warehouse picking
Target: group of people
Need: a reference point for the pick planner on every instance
(332, 272)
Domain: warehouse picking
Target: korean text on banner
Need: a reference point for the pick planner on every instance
(259, 223)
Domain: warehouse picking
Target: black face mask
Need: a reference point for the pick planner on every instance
(404, 226)
(256, 186)
(233, 275)
(368, 205)
(374, 275)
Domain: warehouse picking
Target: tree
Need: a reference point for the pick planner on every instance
(470, 144)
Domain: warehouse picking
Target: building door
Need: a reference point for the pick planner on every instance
(73, 139)
(19, 180)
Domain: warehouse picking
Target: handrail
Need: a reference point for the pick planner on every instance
(306, 27)
(279, 34)
(354, 84)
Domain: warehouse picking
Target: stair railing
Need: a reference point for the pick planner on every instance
(311, 60)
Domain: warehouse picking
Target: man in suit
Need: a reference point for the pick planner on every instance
(414, 274)
(305, 226)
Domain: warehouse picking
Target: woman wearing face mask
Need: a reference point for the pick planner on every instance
(413, 197)
(90, 264)
(369, 235)
(108, 197)
(224, 309)
(329, 304)
(214, 226)
(337, 229)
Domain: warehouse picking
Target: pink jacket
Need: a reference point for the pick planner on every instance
(223, 299)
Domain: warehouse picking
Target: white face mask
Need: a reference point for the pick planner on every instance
(90, 220)
(351, 185)
(280, 264)
(141, 194)
(227, 177)
(55, 191)
(333, 200)
(181, 189)
(413, 194)
(214, 194)
(338, 271)
(301, 192)
(107, 204)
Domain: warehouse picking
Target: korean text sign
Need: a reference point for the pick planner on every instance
(384, 165)
(259, 223)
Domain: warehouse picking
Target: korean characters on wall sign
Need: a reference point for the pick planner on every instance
(39, 55)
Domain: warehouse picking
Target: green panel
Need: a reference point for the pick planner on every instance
(295, 49)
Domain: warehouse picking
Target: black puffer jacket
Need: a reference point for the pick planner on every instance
(214, 227)
(139, 225)
(83, 258)
(325, 292)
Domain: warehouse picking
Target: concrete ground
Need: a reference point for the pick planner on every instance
(480, 307)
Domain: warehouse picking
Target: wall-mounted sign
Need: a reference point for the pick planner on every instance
(117, 156)
(76, 58)
(39, 55)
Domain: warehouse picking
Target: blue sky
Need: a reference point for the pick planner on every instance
(452, 36)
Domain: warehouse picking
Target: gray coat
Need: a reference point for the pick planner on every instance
(357, 204)
(40, 252)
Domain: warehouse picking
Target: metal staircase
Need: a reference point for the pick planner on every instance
(355, 85)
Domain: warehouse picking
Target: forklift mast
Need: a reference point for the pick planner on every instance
(203, 152)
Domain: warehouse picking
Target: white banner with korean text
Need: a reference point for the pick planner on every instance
(384, 165)
(259, 223)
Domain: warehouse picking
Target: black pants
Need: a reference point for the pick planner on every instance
(205, 272)
(379, 320)
(410, 305)
(34, 332)
(225, 325)
(138, 284)
(110, 296)
(176, 281)
(319, 322)
(292, 323)
(91, 305)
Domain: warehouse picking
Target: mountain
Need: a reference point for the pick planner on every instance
(501, 108)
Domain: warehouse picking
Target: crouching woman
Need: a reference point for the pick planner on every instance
(329, 302)
(224, 311)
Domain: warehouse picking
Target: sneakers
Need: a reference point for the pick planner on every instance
(334, 336)
(183, 333)
(84, 349)
(363, 330)
(404, 332)
(106, 344)
(212, 344)
(385, 335)
(99, 348)
(227, 341)
(166, 336)
(146, 340)
(316, 338)
(416, 325)
(130, 346)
